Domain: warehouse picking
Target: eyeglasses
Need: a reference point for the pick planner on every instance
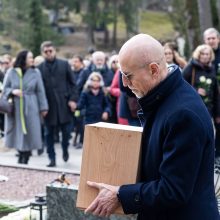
(95, 80)
(126, 76)
(129, 76)
(48, 51)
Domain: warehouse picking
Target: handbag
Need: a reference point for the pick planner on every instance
(133, 106)
(6, 105)
(193, 77)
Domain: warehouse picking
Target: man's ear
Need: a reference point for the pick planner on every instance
(154, 69)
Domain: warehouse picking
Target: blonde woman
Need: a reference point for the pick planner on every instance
(200, 73)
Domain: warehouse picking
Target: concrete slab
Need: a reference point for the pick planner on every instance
(73, 165)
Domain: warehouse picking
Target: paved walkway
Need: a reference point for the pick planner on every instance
(8, 157)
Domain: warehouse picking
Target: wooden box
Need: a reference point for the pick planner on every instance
(111, 155)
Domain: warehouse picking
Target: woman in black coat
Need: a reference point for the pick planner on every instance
(201, 75)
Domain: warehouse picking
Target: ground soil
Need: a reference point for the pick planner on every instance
(24, 184)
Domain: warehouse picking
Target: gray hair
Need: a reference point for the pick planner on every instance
(211, 30)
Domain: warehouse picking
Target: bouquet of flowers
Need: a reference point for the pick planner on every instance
(204, 87)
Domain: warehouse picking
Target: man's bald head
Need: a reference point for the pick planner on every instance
(142, 48)
(142, 62)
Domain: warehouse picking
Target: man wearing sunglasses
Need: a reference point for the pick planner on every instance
(62, 96)
(177, 161)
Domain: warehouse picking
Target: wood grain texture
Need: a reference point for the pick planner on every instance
(111, 155)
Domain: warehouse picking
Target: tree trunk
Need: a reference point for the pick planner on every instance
(192, 30)
(114, 34)
(91, 38)
(106, 32)
(218, 9)
(205, 17)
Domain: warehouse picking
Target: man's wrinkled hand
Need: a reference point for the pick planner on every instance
(106, 201)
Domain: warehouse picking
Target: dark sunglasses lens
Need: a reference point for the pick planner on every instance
(48, 51)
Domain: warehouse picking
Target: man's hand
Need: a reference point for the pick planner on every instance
(105, 116)
(72, 105)
(106, 201)
(43, 113)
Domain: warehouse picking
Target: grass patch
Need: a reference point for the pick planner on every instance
(6, 208)
(157, 24)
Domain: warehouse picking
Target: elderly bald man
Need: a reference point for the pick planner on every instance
(177, 180)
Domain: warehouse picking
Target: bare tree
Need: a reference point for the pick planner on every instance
(205, 17)
(218, 8)
(115, 22)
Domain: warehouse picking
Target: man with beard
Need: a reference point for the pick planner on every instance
(99, 65)
(62, 95)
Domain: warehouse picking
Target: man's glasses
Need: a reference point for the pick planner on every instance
(48, 51)
(130, 75)
(126, 76)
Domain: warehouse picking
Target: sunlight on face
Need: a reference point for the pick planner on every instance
(168, 55)
(29, 60)
(212, 40)
(205, 56)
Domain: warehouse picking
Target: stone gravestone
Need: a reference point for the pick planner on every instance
(61, 205)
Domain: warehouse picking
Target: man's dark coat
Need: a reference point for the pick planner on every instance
(177, 168)
(60, 88)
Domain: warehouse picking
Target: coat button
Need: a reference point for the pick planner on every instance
(157, 97)
(136, 198)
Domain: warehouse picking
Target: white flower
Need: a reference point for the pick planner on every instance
(202, 79)
(208, 81)
(1, 86)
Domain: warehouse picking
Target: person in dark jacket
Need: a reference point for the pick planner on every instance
(77, 66)
(201, 75)
(99, 65)
(62, 95)
(126, 110)
(177, 175)
(93, 100)
(212, 38)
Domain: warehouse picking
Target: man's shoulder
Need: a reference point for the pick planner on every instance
(61, 62)
(40, 66)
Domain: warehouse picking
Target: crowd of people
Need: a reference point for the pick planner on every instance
(61, 96)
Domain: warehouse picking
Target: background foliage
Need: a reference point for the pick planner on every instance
(27, 22)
